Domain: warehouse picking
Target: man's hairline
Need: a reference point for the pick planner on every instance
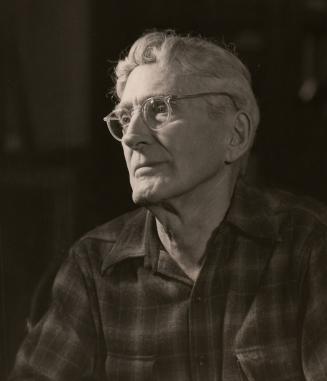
(198, 76)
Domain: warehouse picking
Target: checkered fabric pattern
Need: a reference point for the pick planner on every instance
(122, 309)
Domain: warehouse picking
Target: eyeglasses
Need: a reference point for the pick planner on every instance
(156, 112)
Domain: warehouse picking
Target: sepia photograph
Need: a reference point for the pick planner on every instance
(163, 190)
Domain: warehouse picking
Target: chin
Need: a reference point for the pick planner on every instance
(145, 198)
(147, 195)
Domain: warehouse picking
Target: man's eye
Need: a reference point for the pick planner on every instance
(158, 110)
(124, 119)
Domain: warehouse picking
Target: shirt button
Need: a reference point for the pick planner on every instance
(198, 299)
(202, 360)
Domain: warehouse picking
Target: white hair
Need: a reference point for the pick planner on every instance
(192, 55)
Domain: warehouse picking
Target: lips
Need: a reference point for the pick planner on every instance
(146, 165)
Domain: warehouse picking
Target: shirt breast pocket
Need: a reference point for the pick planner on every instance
(121, 367)
(271, 363)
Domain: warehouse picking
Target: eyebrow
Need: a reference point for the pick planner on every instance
(122, 105)
(130, 104)
(138, 101)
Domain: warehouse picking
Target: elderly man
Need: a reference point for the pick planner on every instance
(210, 279)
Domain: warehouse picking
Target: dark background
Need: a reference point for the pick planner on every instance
(62, 174)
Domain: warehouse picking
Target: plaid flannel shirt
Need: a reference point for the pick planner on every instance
(122, 309)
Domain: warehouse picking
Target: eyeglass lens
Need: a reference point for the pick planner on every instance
(115, 128)
(155, 112)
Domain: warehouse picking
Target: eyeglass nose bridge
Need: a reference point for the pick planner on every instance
(135, 109)
(136, 112)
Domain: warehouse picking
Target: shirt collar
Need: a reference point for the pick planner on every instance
(250, 212)
(137, 239)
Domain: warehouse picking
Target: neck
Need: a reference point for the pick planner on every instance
(185, 224)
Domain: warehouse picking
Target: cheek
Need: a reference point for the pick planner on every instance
(201, 155)
(127, 156)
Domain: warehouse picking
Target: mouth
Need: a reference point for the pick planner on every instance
(146, 167)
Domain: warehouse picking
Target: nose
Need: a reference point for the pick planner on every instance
(137, 134)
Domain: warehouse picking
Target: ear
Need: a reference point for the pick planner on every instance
(240, 137)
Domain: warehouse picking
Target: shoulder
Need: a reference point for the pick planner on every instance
(285, 206)
(300, 221)
(278, 215)
(299, 226)
(275, 214)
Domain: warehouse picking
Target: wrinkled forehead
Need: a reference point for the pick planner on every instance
(148, 80)
(153, 79)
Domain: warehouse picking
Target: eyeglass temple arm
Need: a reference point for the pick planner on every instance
(176, 97)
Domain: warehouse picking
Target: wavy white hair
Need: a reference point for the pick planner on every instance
(192, 55)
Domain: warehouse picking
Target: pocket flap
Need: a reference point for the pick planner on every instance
(124, 367)
(274, 363)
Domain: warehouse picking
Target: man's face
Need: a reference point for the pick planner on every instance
(185, 153)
